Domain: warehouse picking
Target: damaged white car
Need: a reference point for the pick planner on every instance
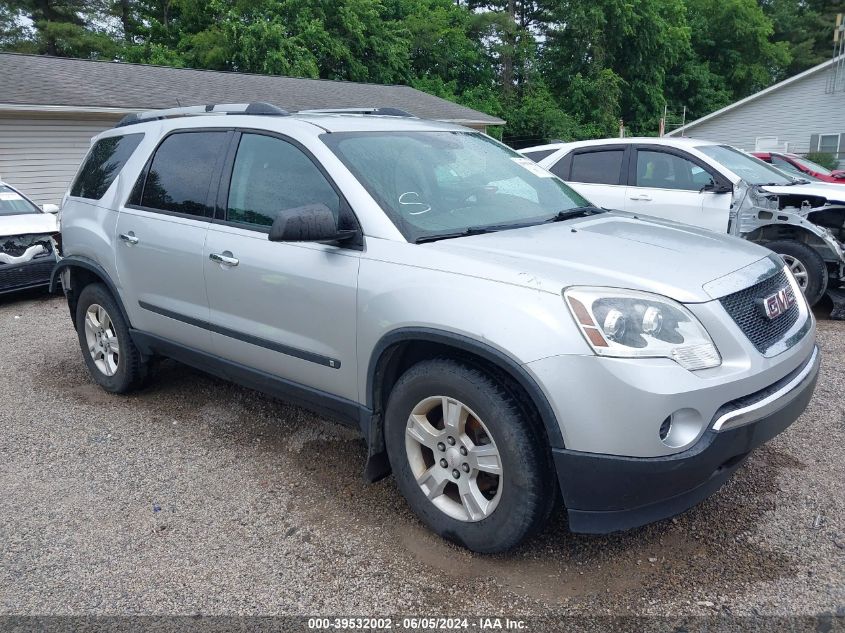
(716, 187)
(28, 241)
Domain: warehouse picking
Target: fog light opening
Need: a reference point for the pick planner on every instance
(665, 428)
(681, 428)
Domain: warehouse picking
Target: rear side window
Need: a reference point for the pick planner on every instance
(539, 154)
(181, 172)
(103, 164)
(271, 175)
(603, 167)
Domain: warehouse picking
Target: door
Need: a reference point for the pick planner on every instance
(160, 237)
(287, 309)
(673, 186)
(597, 173)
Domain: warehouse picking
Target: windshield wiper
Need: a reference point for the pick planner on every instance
(575, 212)
(473, 230)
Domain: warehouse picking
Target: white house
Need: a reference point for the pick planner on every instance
(805, 113)
(50, 107)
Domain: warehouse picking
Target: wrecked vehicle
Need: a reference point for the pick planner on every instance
(716, 187)
(28, 241)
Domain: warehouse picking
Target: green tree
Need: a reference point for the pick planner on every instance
(61, 27)
(734, 38)
(625, 47)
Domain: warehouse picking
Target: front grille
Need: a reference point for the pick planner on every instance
(745, 308)
(31, 273)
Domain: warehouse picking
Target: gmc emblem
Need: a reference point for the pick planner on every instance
(778, 303)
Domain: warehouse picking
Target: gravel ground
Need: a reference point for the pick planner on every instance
(197, 496)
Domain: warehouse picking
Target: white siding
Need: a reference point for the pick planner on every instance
(792, 114)
(40, 156)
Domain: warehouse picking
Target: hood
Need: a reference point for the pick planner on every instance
(27, 223)
(611, 249)
(828, 190)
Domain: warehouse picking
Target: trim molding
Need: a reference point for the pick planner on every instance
(319, 359)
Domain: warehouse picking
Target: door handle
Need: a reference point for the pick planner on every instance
(642, 197)
(224, 258)
(129, 238)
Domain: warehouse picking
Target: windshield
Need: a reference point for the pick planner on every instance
(750, 169)
(808, 164)
(13, 203)
(445, 183)
(791, 170)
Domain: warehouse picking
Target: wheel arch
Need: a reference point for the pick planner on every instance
(400, 349)
(83, 272)
(779, 232)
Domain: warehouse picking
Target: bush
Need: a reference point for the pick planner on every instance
(825, 159)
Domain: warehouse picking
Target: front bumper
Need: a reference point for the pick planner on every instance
(31, 274)
(607, 493)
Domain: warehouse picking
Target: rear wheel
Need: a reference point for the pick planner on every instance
(806, 265)
(471, 463)
(110, 355)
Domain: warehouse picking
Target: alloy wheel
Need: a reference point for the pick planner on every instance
(798, 270)
(101, 339)
(454, 458)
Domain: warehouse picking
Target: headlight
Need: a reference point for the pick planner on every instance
(631, 324)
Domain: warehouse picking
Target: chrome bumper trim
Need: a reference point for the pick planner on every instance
(774, 401)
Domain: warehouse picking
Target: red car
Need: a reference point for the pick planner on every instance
(792, 162)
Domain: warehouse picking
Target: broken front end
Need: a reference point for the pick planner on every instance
(26, 261)
(806, 214)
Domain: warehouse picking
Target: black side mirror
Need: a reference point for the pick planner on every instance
(311, 223)
(713, 187)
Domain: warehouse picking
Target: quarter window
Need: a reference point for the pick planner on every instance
(270, 176)
(659, 170)
(181, 173)
(539, 154)
(603, 167)
(102, 165)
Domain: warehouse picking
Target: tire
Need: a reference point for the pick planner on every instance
(117, 370)
(519, 500)
(806, 264)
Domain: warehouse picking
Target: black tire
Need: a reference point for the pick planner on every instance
(810, 260)
(528, 483)
(131, 369)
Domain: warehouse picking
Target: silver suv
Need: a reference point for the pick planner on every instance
(500, 343)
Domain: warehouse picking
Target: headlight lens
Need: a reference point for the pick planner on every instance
(632, 324)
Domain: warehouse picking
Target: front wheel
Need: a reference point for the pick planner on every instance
(469, 460)
(112, 358)
(806, 266)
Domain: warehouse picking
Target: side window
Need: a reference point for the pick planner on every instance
(778, 162)
(181, 173)
(538, 155)
(659, 170)
(102, 165)
(600, 167)
(271, 175)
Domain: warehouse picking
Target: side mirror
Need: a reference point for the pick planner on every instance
(311, 223)
(713, 187)
(50, 208)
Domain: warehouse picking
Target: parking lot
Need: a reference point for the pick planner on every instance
(197, 496)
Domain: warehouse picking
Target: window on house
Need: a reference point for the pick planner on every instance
(829, 143)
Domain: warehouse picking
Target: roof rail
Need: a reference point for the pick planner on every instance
(257, 107)
(367, 111)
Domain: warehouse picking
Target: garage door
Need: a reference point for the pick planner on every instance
(40, 156)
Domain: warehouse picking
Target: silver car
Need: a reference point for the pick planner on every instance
(501, 344)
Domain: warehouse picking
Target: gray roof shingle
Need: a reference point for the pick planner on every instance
(58, 81)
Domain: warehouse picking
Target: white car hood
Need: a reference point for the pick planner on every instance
(28, 223)
(610, 249)
(830, 191)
